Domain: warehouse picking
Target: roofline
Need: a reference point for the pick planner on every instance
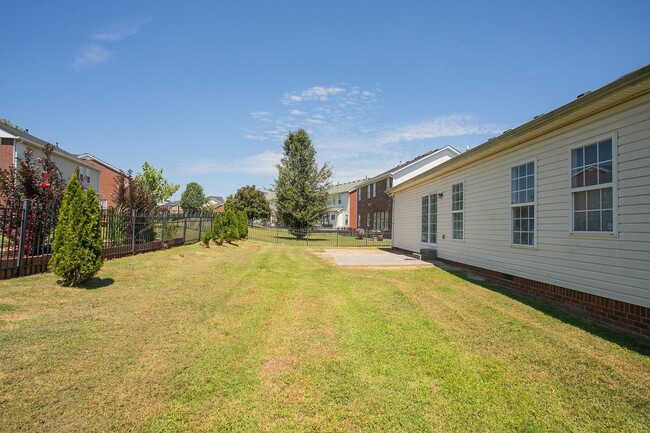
(23, 137)
(407, 164)
(584, 106)
(104, 163)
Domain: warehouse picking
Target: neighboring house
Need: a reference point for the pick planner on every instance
(215, 202)
(173, 207)
(338, 213)
(13, 143)
(558, 208)
(108, 176)
(374, 207)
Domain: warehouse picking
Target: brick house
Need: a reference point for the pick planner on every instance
(374, 207)
(108, 175)
(14, 142)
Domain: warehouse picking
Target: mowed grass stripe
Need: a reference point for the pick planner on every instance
(261, 337)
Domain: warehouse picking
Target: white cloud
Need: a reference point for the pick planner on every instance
(316, 93)
(259, 164)
(120, 31)
(297, 112)
(261, 115)
(91, 54)
(445, 126)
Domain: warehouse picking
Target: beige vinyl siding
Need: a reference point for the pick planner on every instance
(613, 266)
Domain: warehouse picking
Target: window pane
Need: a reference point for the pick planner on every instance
(531, 238)
(591, 175)
(530, 182)
(607, 221)
(593, 221)
(522, 183)
(577, 178)
(524, 225)
(524, 238)
(516, 225)
(606, 198)
(580, 221)
(516, 238)
(577, 159)
(514, 172)
(530, 168)
(605, 172)
(580, 200)
(516, 212)
(591, 154)
(522, 197)
(524, 212)
(605, 150)
(593, 199)
(530, 195)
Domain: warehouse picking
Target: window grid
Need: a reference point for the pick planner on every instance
(429, 219)
(592, 183)
(522, 199)
(457, 210)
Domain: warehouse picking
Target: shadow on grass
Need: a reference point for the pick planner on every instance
(615, 337)
(97, 283)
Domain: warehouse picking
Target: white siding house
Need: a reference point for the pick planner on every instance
(563, 200)
(339, 214)
(15, 142)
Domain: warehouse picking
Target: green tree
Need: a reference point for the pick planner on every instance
(132, 194)
(301, 187)
(231, 231)
(243, 224)
(219, 229)
(193, 198)
(77, 248)
(252, 201)
(160, 189)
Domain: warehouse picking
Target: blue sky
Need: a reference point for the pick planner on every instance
(207, 90)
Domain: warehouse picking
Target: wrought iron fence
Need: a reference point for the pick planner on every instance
(320, 236)
(28, 232)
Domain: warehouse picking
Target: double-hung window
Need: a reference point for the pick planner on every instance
(429, 218)
(359, 195)
(374, 189)
(592, 187)
(522, 202)
(458, 210)
(368, 196)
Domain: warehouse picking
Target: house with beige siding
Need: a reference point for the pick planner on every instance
(557, 208)
(14, 142)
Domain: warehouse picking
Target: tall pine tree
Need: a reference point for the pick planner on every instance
(301, 187)
(77, 245)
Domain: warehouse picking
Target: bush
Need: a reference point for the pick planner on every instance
(243, 224)
(206, 238)
(77, 246)
(231, 232)
(218, 229)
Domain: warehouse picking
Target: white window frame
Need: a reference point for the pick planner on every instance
(434, 195)
(462, 212)
(368, 196)
(614, 185)
(374, 190)
(533, 203)
(359, 193)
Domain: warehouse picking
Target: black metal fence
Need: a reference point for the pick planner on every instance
(28, 232)
(319, 236)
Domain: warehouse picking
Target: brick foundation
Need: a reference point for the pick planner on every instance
(621, 316)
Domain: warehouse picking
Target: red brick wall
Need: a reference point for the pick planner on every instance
(622, 316)
(6, 152)
(353, 210)
(381, 203)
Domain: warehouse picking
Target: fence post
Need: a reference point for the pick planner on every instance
(133, 232)
(200, 224)
(277, 233)
(184, 226)
(337, 237)
(162, 235)
(21, 242)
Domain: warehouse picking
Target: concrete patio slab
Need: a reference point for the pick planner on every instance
(368, 257)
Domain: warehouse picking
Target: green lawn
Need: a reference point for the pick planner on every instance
(265, 337)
